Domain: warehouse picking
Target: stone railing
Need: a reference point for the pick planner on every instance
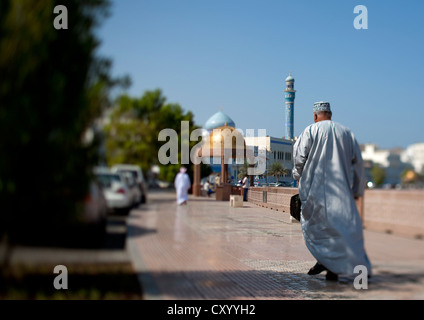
(276, 198)
(399, 212)
(395, 211)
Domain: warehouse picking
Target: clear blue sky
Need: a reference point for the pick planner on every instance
(236, 54)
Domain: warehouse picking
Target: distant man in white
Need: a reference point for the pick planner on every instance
(329, 167)
(182, 185)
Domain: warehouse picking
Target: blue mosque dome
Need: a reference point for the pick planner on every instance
(290, 78)
(219, 119)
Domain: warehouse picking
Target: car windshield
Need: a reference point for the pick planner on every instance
(133, 173)
(106, 179)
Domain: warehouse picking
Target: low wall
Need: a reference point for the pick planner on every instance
(276, 198)
(399, 212)
(395, 211)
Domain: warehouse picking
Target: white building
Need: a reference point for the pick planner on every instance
(414, 155)
(394, 161)
(370, 152)
(277, 150)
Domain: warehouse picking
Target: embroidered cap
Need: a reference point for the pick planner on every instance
(322, 106)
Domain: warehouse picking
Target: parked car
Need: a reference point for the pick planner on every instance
(119, 196)
(133, 187)
(281, 184)
(287, 184)
(137, 173)
(95, 212)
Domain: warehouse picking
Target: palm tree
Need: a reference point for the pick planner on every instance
(243, 170)
(276, 170)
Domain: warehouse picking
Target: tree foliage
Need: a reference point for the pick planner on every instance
(132, 134)
(276, 169)
(410, 177)
(378, 175)
(243, 170)
(52, 88)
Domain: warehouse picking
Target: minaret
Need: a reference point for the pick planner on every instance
(289, 95)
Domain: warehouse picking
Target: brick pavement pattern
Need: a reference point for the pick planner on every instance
(209, 250)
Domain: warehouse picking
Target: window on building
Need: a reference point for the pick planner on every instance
(288, 156)
(255, 151)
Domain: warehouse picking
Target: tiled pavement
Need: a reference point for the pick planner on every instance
(208, 250)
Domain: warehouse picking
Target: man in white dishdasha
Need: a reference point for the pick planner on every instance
(329, 167)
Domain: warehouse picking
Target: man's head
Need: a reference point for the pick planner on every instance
(322, 111)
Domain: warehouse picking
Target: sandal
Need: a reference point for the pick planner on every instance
(331, 276)
(317, 269)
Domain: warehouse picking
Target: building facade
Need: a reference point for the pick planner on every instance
(277, 150)
(391, 160)
(414, 155)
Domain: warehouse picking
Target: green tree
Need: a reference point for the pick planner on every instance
(135, 123)
(276, 169)
(52, 88)
(410, 177)
(378, 175)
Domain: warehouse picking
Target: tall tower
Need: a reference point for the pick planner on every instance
(289, 96)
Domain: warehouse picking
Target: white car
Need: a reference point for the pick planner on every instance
(118, 194)
(138, 175)
(95, 211)
(133, 187)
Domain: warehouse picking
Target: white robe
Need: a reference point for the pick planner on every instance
(329, 167)
(182, 185)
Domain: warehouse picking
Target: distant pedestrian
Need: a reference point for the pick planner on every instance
(329, 167)
(182, 185)
(208, 188)
(217, 180)
(245, 185)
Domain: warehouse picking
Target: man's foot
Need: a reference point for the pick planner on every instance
(317, 269)
(331, 276)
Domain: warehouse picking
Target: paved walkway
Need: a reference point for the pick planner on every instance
(208, 250)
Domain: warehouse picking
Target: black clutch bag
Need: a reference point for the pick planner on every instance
(295, 206)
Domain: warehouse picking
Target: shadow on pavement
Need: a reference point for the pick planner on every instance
(272, 285)
(112, 238)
